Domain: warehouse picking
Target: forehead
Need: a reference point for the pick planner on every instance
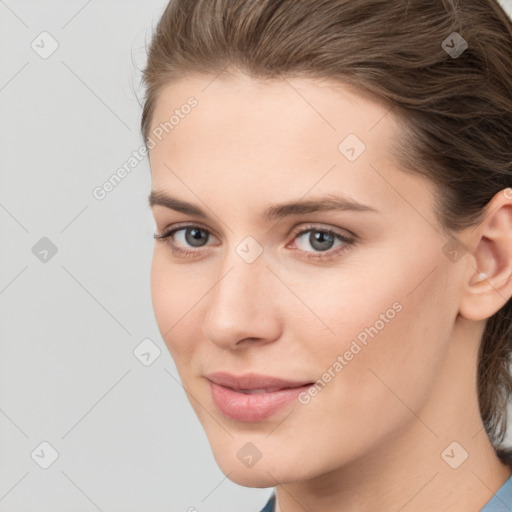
(326, 106)
(275, 136)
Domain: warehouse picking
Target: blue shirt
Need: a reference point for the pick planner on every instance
(500, 502)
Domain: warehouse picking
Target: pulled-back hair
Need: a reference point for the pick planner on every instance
(456, 110)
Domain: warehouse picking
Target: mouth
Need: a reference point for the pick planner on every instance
(252, 397)
(254, 382)
(256, 391)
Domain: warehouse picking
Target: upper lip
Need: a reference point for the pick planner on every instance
(253, 381)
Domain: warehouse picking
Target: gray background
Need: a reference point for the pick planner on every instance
(126, 436)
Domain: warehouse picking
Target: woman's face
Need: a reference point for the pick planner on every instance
(366, 311)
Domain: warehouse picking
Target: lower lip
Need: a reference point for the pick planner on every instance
(257, 407)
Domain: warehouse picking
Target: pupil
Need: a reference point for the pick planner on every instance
(195, 238)
(320, 240)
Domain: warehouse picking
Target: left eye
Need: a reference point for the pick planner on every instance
(320, 239)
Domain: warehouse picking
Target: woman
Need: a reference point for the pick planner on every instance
(332, 270)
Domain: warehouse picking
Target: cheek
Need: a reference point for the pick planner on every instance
(401, 348)
(174, 294)
(162, 300)
(388, 375)
(390, 326)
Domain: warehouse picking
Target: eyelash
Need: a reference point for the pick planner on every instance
(318, 255)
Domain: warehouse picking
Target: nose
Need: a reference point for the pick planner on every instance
(242, 307)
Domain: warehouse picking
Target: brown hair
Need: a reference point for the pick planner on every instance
(456, 109)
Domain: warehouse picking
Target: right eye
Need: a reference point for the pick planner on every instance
(190, 234)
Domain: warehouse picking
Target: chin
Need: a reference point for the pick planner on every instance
(260, 477)
(249, 478)
(264, 473)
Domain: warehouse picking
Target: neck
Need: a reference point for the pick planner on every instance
(419, 467)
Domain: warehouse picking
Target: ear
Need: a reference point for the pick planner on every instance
(488, 284)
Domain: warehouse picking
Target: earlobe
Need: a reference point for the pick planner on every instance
(489, 285)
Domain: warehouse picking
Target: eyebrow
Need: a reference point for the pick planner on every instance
(324, 203)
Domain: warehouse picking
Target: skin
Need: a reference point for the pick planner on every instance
(373, 437)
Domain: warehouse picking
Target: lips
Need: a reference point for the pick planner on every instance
(253, 382)
(257, 391)
(252, 397)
